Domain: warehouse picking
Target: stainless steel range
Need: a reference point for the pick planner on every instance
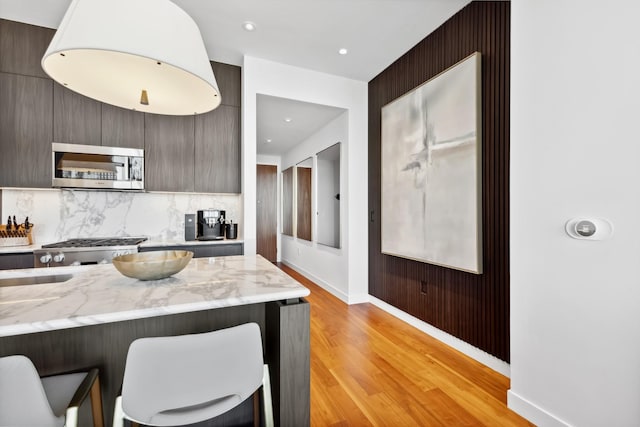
(85, 251)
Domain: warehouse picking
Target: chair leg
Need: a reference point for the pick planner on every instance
(266, 397)
(118, 414)
(96, 404)
(71, 417)
(256, 409)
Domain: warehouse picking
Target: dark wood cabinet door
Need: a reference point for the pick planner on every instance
(266, 211)
(228, 79)
(22, 48)
(202, 250)
(16, 261)
(76, 118)
(217, 160)
(26, 117)
(169, 153)
(122, 128)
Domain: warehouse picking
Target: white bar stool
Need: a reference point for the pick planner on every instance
(26, 400)
(186, 379)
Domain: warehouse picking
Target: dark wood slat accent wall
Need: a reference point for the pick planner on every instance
(474, 308)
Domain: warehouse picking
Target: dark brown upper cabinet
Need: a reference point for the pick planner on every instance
(217, 148)
(76, 118)
(122, 128)
(22, 47)
(26, 120)
(228, 78)
(169, 153)
(182, 153)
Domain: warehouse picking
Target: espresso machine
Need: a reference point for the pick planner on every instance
(211, 224)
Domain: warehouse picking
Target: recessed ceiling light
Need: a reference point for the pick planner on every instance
(287, 119)
(343, 51)
(248, 26)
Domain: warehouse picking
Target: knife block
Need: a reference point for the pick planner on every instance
(12, 237)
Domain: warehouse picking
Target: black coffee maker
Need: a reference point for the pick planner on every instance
(210, 224)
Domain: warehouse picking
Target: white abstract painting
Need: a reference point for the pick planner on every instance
(431, 171)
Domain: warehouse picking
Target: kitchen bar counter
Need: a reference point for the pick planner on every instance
(100, 294)
(91, 319)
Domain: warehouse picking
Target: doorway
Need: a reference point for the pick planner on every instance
(266, 211)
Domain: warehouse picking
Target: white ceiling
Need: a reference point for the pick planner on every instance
(306, 119)
(303, 33)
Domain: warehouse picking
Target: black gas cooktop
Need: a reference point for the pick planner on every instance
(96, 242)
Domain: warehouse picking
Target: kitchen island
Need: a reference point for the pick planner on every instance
(90, 318)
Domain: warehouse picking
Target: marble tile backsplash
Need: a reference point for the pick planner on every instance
(66, 214)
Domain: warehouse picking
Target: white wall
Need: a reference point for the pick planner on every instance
(270, 78)
(328, 207)
(575, 148)
(327, 266)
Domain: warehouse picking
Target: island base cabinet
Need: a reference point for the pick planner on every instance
(285, 334)
(289, 361)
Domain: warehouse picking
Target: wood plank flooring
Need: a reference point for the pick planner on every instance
(369, 368)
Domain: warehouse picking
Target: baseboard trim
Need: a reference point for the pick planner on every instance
(318, 281)
(532, 412)
(475, 353)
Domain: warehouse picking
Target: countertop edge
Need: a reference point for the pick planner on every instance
(80, 321)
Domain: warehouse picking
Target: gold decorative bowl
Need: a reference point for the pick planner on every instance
(154, 265)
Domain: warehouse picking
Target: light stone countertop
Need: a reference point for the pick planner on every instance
(18, 249)
(100, 294)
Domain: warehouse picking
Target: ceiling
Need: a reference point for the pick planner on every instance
(275, 135)
(302, 33)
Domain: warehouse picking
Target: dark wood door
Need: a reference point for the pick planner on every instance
(266, 216)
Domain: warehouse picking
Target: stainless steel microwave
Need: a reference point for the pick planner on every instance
(94, 166)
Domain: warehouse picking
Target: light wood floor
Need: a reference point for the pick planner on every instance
(370, 369)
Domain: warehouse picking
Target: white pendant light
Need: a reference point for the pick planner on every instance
(146, 55)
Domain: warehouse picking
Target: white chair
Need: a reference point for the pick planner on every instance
(186, 379)
(26, 400)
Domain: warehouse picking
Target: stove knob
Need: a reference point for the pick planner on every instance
(59, 257)
(46, 258)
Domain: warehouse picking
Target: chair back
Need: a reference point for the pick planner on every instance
(23, 401)
(191, 378)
